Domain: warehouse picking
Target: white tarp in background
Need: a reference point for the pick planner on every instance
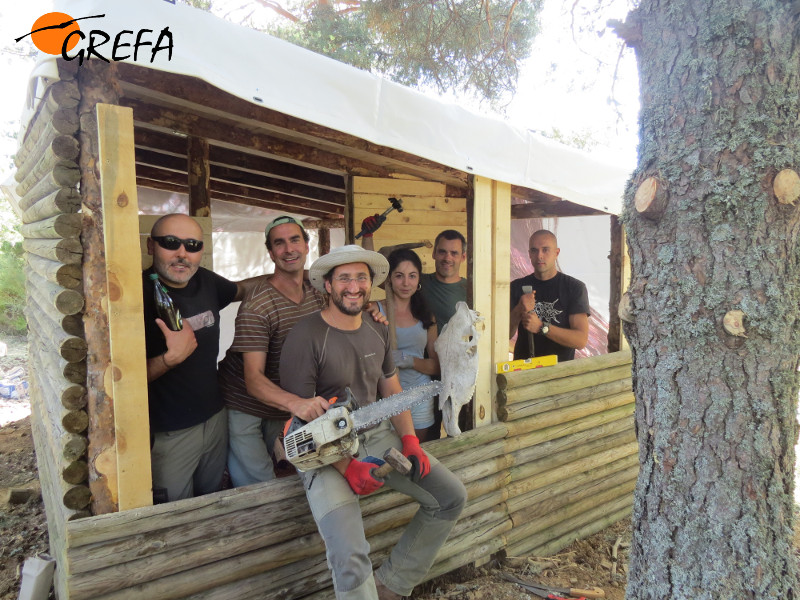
(291, 80)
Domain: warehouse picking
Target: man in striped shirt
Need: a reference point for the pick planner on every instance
(249, 374)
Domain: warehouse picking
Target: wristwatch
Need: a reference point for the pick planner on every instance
(545, 328)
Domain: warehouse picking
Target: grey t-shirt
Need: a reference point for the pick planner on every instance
(320, 360)
(442, 297)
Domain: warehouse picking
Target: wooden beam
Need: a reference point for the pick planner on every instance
(558, 208)
(97, 83)
(323, 223)
(225, 174)
(127, 372)
(272, 184)
(224, 134)
(198, 173)
(232, 191)
(615, 259)
(182, 189)
(492, 273)
(246, 160)
(208, 100)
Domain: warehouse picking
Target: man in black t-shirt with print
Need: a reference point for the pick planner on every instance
(556, 311)
(188, 423)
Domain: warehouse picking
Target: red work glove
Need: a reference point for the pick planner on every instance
(370, 225)
(359, 476)
(420, 463)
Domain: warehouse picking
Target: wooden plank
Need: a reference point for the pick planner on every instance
(127, 371)
(490, 272)
(501, 280)
(243, 158)
(397, 187)
(440, 219)
(411, 232)
(562, 370)
(224, 134)
(380, 203)
(198, 177)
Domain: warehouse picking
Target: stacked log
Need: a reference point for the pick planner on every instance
(563, 470)
(47, 176)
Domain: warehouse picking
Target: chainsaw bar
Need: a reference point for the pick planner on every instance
(384, 408)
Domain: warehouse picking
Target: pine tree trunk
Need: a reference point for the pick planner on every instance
(716, 396)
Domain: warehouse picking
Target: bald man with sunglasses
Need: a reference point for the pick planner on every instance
(188, 423)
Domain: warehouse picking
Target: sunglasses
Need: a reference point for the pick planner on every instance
(170, 242)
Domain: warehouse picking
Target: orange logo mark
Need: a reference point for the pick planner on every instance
(51, 29)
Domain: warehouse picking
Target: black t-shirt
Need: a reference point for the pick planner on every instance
(556, 299)
(188, 394)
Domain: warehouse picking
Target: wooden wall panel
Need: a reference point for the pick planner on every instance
(426, 212)
(534, 485)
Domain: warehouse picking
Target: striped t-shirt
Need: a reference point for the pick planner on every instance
(264, 320)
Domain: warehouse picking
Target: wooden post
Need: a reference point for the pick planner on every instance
(199, 171)
(126, 377)
(615, 260)
(491, 272)
(324, 245)
(97, 82)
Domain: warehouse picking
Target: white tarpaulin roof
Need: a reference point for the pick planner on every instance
(289, 79)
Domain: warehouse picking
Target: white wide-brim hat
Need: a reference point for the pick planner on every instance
(344, 255)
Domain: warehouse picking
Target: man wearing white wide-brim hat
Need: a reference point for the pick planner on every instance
(322, 355)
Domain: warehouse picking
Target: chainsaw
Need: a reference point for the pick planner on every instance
(334, 435)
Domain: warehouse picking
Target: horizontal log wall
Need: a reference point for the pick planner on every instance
(47, 176)
(535, 484)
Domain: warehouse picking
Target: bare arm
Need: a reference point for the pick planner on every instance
(575, 336)
(430, 365)
(265, 391)
(180, 345)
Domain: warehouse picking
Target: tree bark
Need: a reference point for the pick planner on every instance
(716, 413)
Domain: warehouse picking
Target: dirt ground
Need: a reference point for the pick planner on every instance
(23, 530)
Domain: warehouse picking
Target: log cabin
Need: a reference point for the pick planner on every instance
(236, 116)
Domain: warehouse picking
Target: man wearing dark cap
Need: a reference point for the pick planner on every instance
(249, 378)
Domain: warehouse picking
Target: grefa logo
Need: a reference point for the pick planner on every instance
(58, 33)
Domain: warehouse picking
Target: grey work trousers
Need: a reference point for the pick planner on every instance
(441, 497)
(190, 462)
(250, 443)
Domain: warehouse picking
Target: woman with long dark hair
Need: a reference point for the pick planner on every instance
(416, 334)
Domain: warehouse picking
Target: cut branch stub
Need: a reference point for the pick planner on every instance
(733, 323)
(787, 186)
(625, 309)
(651, 198)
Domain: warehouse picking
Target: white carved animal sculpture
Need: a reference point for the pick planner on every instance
(457, 348)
